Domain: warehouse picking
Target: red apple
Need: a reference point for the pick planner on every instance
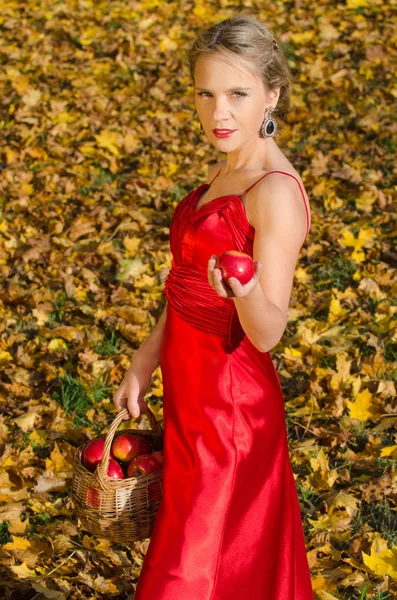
(114, 469)
(132, 469)
(127, 445)
(92, 454)
(92, 497)
(233, 263)
(146, 463)
(158, 455)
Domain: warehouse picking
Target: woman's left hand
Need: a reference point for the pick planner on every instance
(236, 289)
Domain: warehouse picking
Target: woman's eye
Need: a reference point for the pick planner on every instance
(241, 94)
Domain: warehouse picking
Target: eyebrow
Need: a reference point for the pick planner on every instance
(230, 90)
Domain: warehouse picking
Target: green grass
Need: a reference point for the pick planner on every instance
(110, 344)
(76, 400)
(5, 536)
(380, 517)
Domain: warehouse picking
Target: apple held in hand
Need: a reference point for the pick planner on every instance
(233, 263)
(127, 445)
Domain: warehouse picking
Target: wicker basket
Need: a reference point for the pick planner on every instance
(120, 510)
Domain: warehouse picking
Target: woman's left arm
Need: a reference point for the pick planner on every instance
(278, 215)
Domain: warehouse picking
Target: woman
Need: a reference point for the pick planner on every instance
(229, 524)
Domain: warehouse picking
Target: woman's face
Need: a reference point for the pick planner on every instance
(229, 97)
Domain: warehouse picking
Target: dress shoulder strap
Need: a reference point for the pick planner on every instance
(215, 176)
(300, 187)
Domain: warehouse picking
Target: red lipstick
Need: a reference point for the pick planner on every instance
(223, 133)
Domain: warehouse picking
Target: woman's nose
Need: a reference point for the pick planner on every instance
(220, 111)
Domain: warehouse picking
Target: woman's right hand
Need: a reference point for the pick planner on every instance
(132, 390)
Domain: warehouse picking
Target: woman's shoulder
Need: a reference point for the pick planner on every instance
(286, 176)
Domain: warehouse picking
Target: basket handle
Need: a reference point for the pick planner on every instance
(102, 467)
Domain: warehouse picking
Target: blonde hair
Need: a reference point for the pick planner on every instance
(242, 35)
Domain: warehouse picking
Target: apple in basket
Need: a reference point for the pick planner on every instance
(92, 454)
(233, 263)
(115, 471)
(143, 464)
(159, 455)
(155, 487)
(127, 445)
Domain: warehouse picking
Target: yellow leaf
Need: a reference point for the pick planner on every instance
(345, 501)
(132, 243)
(301, 274)
(27, 188)
(302, 38)
(88, 150)
(57, 345)
(109, 140)
(26, 421)
(356, 3)
(389, 451)
(167, 44)
(320, 461)
(200, 11)
(362, 408)
(17, 526)
(22, 571)
(365, 237)
(31, 97)
(335, 307)
(41, 316)
(358, 256)
(170, 169)
(5, 356)
(89, 35)
(81, 294)
(318, 582)
(18, 543)
(289, 351)
(131, 142)
(382, 560)
(11, 156)
(57, 461)
(328, 31)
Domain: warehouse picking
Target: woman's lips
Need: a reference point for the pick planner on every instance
(222, 133)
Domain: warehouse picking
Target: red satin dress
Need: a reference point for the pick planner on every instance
(229, 524)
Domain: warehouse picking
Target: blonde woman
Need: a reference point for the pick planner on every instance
(229, 525)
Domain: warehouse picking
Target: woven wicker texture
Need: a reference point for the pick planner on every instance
(120, 510)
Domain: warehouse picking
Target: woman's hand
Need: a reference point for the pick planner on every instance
(236, 289)
(132, 390)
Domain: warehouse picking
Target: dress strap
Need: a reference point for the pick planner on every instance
(216, 176)
(300, 187)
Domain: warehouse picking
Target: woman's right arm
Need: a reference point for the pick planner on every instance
(148, 354)
(138, 377)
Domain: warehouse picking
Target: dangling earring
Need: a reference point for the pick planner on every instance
(201, 128)
(269, 125)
